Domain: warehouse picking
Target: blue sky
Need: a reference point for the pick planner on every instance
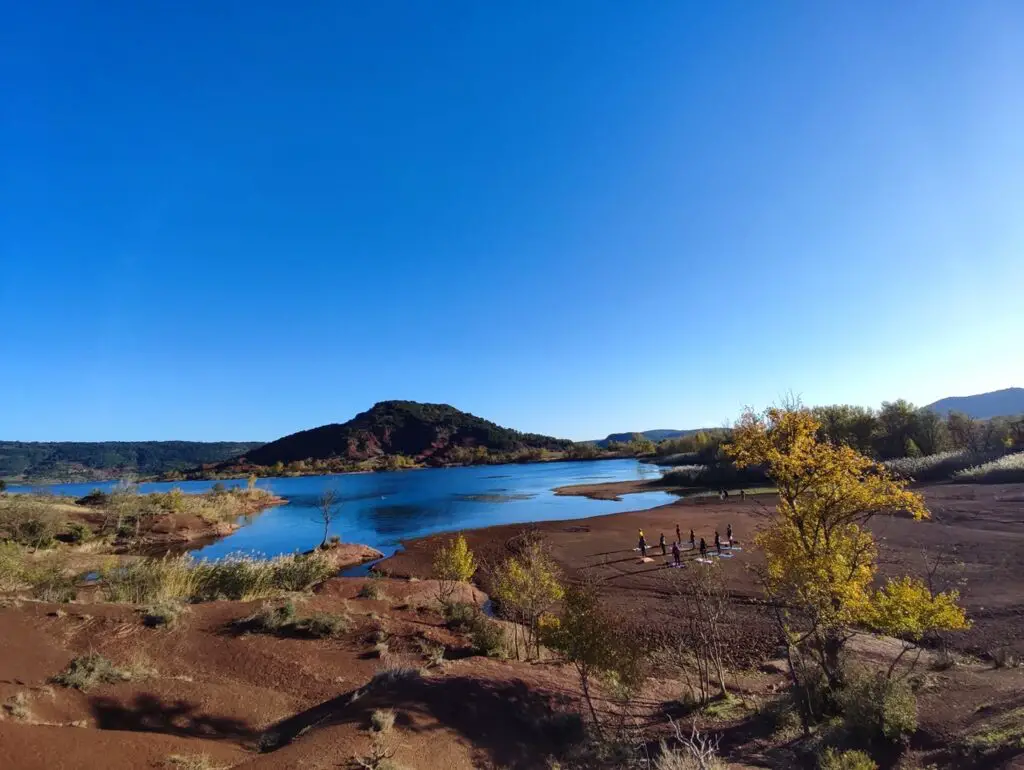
(236, 220)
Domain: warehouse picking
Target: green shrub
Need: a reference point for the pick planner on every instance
(50, 581)
(488, 637)
(371, 591)
(875, 707)
(846, 760)
(284, 620)
(163, 614)
(28, 522)
(96, 499)
(78, 533)
(460, 616)
(87, 671)
(322, 625)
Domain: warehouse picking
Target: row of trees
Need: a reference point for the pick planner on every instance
(898, 429)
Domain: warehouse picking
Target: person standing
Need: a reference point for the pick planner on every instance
(679, 535)
(661, 542)
(703, 549)
(728, 534)
(718, 542)
(643, 545)
(675, 553)
(693, 541)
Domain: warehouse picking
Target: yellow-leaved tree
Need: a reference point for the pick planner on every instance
(527, 586)
(454, 563)
(819, 553)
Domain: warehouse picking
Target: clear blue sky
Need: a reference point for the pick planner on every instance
(234, 220)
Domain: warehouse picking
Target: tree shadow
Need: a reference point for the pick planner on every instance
(148, 713)
(508, 723)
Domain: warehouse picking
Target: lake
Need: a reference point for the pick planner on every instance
(382, 509)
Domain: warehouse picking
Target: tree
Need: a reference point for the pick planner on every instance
(964, 431)
(853, 426)
(594, 641)
(820, 556)
(454, 563)
(706, 607)
(640, 445)
(897, 422)
(527, 586)
(328, 504)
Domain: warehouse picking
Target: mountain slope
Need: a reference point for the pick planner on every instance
(98, 460)
(998, 403)
(420, 431)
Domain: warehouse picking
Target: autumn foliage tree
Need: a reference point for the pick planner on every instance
(454, 563)
(527, 586)
(820, 555)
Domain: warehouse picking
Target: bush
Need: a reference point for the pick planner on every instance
(875, 708)
(28, 522)
(371, 591)
(460, 616)
(488, 637)
(382, 720)
(86, 672)
(96, 499)
(846, 760)
(936, 467)
(78, 533)
(163, 614)
(1008, 469)
(235, 577)
(284, 620)
(453, 563)
(11, 567)
(50, 581)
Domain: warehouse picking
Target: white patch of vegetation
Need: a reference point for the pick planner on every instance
(1007, 469)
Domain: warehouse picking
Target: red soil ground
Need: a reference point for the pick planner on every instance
(979, 527)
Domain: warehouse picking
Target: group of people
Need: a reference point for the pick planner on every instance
(676, 552)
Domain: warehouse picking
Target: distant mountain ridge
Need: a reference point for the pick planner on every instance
(34, 461)
(983, 406)
(659, 434)
(424, 432)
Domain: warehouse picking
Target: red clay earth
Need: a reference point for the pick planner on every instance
(981, 526)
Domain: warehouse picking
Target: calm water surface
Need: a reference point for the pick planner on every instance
(382, 509)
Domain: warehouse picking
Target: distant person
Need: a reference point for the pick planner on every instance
(725, 494)
(728, 533)
(718, 542)
(661, 542)
(643, 545)
(703, 549)
(679, 535)
(721, 494)
(693, 541)
(675, 553)
(743, 494)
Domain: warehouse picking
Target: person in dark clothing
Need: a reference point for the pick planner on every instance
(718, 542)
(643, 546)
(675, 553)
(679, 535)
(693, 541)
(743, 494)
(728, 533)
(725, 494)
(661, 542)
(703, 548)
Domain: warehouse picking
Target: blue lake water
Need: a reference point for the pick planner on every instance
(382, 509)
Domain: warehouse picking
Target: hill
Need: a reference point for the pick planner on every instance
(998, 403)
(38, 461)
(423, 432)
(659, 434)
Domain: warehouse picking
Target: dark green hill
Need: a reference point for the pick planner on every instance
(424, 432)
(37, 461)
